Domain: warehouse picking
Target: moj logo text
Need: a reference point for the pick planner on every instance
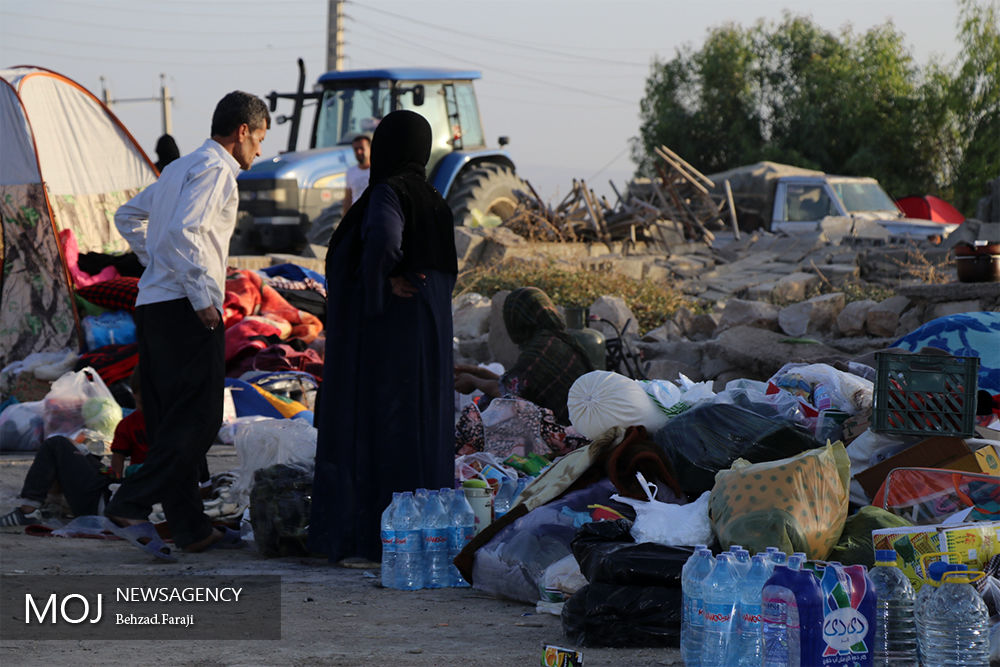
(74, 608)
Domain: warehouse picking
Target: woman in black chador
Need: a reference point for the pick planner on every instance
(385, 414)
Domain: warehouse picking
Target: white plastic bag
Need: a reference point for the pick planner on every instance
(826, 387)
(260, 444)
(22, 427)
(666, 523)
(79, 400)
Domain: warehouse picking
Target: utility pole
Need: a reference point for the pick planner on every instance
(164, 99)
(335, 36)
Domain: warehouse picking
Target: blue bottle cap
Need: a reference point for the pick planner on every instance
(885, 556)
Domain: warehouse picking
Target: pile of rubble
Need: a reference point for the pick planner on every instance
(676, 197)
(759, 300)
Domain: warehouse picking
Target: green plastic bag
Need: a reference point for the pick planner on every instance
(855, 545)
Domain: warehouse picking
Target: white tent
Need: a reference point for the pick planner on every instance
(66, 164)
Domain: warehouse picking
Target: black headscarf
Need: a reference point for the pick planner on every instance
(166, 151)
(400, 149)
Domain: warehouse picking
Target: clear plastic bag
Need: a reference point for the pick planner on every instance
(77, 400)
(261, 444)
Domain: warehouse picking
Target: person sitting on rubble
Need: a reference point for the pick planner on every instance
(82, 477)
(549, 362)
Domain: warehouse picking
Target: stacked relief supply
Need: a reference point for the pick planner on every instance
(422, 532)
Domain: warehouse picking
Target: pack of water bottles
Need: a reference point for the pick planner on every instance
(422, 532)
(778, 611)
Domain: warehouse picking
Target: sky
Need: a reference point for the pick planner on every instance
(563, 79)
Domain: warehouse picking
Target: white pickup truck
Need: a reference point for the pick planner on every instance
(789, 199)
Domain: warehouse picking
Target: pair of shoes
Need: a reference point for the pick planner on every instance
(144, 536)
(17, 517)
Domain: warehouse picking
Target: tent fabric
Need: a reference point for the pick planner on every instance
(68, 163)
(929, 207)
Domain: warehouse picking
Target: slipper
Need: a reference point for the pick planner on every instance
(358, 563)
(154, 546)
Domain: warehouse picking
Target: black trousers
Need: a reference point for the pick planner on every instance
(78, 474)
(182, 374)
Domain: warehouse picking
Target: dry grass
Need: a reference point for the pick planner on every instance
(651, 303)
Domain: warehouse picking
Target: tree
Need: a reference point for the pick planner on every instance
(975, 102)
(846, 103)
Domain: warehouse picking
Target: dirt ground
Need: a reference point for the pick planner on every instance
(329, 615)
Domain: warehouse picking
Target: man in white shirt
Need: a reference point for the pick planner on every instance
(357, 175)
(179, 227)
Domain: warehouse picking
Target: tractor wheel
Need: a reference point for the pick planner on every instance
(488, 188)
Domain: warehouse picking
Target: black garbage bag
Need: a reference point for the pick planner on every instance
(280, 502)
(608, 554)
(626, 616)
(708, 438)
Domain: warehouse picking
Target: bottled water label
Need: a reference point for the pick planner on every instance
(697, 612)
(408, 541)
(750, 616)
(718, 616)
(388, 540)
(844, 628)
(435, 539)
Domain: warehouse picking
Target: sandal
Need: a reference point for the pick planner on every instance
(153, 545)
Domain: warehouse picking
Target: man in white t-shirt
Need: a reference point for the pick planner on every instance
(357, 176)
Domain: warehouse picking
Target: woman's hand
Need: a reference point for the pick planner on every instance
(402, 287)
(466, 383)
(475, 371)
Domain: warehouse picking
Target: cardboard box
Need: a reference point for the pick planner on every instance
(932, 452)
(988, 459)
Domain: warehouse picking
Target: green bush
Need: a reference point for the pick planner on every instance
(651, 303)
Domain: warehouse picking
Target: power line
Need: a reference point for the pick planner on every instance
(158, 30)
(520, 75)
(522, 45)
(297, 47)
(201, 5)
(166, 62)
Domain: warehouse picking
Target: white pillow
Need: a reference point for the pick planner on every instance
(600, 400)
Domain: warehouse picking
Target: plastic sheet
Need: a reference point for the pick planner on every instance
(511, 564)
(796, 504)
(708, 438)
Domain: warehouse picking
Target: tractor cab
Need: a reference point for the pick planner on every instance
(282, 197)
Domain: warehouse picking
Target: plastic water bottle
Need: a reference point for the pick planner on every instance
(692, 639)
(686, 589)
(792, 617)
(922, 604)
(958, 623)
(796, 560)
(719, 595)
(895, 627)
(409, 552)
(420, 496)
(504, 498)
(748, 651)
(742, 559)
(434, 532)
(389, 543)
(778, 557)
(461, 530)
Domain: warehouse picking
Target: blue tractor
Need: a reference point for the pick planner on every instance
(293, 199)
